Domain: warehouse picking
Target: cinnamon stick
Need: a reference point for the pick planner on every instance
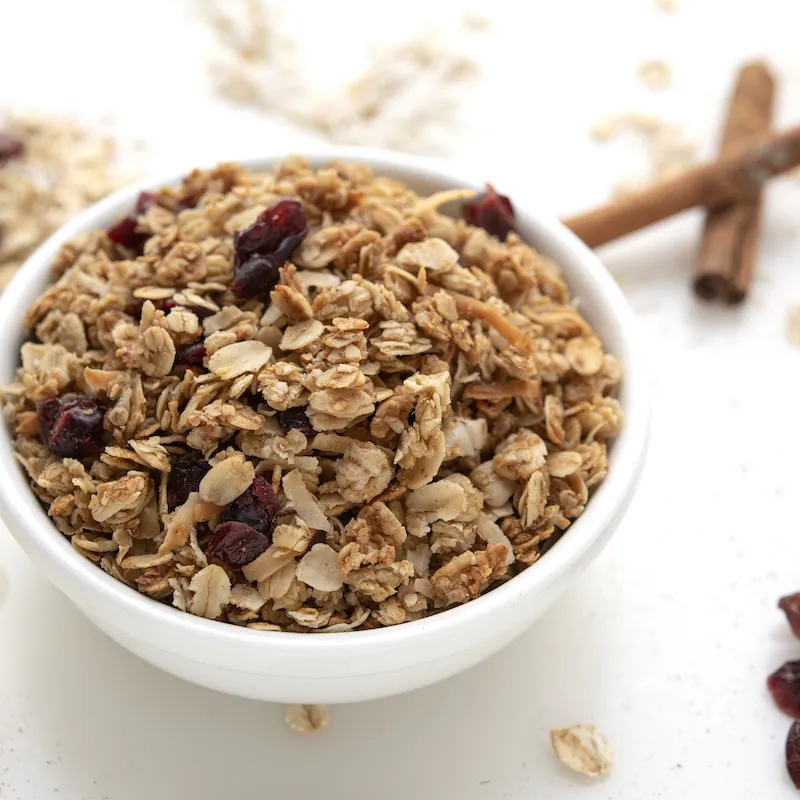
(728, 248)
(730, 180)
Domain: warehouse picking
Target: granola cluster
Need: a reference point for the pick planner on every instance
(380, 415)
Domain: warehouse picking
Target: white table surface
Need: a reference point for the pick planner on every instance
(666, 641)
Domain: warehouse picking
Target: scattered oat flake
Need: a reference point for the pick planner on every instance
(584, 749)
(475, 23)
(62, 169)
(655, 74)
(406, 98)
(793, 326)
(307, 718)
(669, 150)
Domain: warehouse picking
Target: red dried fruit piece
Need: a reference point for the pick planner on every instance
(263, 247)
(790, 605)
(73, 427)
(257, 507)
(257, 275)
(784, 686)
(10, 147)
(272, 227)
(295, 419)
(491, 211)
(189, 201)
(184, 478)
(124, 233)
(236, 544)
(134, 309)
(793, 753)
(190, 354)
(145, 202)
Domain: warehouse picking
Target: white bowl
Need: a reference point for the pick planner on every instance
(359, 665)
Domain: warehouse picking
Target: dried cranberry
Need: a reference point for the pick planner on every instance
(72, 428)
(189, 201)
(793, 753)
(236, 544)
(134, 308)
(190, 354)
(145, 202)
(252, 399)
(257, 507)
(263, 247)
(10, 147)
(125, 231)
(790, 605)
(491, 211)
(272, 227)
(184, 478)
(257, 275)
(784, 685)
(295, 419)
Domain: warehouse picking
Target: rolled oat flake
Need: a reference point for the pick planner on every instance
(584, 749)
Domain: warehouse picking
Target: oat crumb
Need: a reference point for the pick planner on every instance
(60, 169)
(407, 98)
(584, 749)
(307, 718)
(793, 327)
(669, 151)
(655, 74)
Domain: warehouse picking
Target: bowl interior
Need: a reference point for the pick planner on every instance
(592, 287)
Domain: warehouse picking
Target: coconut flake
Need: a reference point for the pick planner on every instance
(305, 504)
(317, 569)
(492, 533)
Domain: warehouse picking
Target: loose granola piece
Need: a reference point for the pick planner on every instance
(53, 168)
(363, 473)
(520, 455)
(226, 480)
(211, 588)
(119, 501)
(405, 415)
(305, 504)
(584, 749)
(317, 569)
(497, 490)
(467, 575)
(793, 326)
(307, 718)
(469, 307)
(237, 358)
(655, 74)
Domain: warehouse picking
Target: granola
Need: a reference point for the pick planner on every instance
(307, 400)
(584, 749)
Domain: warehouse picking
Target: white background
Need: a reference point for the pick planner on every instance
(666, 641)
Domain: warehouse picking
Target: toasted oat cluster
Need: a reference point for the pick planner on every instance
(310, 401)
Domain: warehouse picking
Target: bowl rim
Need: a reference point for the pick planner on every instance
(17, 501)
